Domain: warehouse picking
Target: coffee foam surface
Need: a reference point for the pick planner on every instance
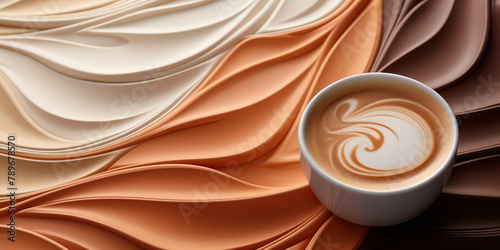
(380, 136)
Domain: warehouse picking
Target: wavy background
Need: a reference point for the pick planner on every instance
(172, 124)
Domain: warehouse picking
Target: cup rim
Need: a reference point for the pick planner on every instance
(304, 150)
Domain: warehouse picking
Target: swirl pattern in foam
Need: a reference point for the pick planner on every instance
(379, 135)
(386, 137)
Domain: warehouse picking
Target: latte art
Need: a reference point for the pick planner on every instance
(379, 135)
(386, 137)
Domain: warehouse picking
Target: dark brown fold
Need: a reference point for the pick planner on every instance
(439, 42)
(452, 222)
(481, 89)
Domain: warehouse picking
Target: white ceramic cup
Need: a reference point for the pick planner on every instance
(373, 207)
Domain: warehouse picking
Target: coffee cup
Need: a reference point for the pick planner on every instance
(377, 148)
